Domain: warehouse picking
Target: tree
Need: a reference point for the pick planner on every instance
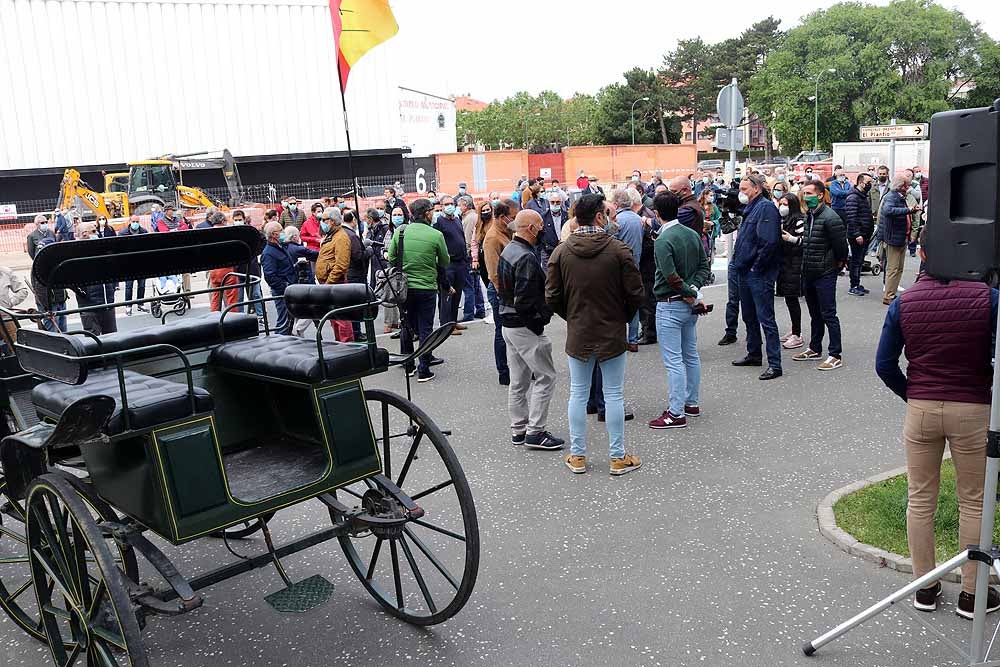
(691, 72)
(983, 77)
(891, 62)
(613, 124)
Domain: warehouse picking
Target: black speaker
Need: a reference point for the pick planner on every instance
(962, 237)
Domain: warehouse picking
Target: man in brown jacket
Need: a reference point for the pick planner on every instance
(594, 284)
(496, 239)
(333, 261)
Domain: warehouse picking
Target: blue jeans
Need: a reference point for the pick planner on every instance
(613, 376)
(474, 304)
(140, 290)
(757, 302)
(821, 298)
(678, 339)
(633, 329)
(499, 346)
(60, 320)
(420, 320)
(253, 292)
(733, 301)
(284, 324)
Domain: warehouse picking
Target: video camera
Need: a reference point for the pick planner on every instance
(730, 210)
(962, 235)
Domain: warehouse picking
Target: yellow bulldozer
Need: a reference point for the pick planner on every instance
(149, 183)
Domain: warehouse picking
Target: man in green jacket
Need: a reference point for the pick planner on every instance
(682, 268)
(424, 256)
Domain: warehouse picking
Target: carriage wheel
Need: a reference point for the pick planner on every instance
(245, 529)
(156, 310)
(425, 571)
(86, 613)
(17, 596)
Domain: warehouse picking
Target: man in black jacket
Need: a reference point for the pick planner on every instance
(824, 253)
(523, 316)
(860, 227)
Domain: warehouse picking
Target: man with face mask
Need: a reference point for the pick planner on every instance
(450, 225)
(100, 321)
(893, 225)
(134, 228)
(756, 261)
(292, 215)
(394, 199)
(689, 213)
(839, 187)
(914, 197)
(879, 189)
(824, 253)
(522, 317)
(860, 227)
(535, 202)
(552, 223)
(42, 231)
(473, 303)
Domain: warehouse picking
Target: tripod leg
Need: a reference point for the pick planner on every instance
(923, 582)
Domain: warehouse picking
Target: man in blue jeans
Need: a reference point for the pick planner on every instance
(756, 260)
(824, 253)
(682, 268)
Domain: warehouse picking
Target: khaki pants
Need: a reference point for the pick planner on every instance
(928, 424)
(895, 256)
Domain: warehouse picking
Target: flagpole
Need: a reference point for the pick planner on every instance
(347, 131)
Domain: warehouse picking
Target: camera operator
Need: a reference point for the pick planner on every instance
(730, 217)
(947, 392)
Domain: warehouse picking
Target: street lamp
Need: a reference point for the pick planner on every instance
(819, 76)
(631, 114)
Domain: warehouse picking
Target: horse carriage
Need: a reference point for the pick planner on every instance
(207, 427)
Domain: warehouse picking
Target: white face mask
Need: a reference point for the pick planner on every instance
(744, 198)
(783, 210)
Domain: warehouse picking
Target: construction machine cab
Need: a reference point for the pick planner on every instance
(151, 182)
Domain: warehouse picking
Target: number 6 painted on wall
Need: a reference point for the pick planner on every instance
(420, 182)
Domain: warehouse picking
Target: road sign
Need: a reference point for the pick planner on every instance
(911, 131)
(730, 114)
(729, 140)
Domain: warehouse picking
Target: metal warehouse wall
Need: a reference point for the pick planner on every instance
(98, 82)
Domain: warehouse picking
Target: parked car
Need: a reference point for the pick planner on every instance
(812, 156)
(710, 165)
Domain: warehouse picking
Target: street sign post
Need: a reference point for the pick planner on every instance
(729, 105)
(910, 131)
(726, 139)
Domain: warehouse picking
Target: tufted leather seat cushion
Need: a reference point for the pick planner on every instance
(296, 359)
(185, 332)
(151, 400)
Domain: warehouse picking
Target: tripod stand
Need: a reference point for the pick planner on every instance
(986, 555)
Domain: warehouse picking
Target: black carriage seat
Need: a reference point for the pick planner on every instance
(297, 359)
(186, 333)
(151, 400)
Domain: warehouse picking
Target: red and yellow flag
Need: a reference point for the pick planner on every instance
(358, 27)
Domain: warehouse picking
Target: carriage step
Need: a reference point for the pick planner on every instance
(301, 597)
(21, 405)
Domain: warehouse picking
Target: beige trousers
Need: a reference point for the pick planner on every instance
(927, 426)
(894, 259)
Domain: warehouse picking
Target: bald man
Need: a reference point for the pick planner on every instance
(523, 315)
(689, 213)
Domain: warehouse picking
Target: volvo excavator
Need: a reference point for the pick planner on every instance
(152, 182)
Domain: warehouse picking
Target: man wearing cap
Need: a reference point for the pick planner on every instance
(592, 187)
(292, 215)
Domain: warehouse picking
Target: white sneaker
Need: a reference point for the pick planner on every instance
(786, 336)
(793, 342)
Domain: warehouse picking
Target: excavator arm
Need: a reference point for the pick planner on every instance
(73, 190)
(210, 160)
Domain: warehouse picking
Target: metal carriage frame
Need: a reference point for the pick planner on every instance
(91, 482)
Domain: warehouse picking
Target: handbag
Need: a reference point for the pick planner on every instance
(394, 284)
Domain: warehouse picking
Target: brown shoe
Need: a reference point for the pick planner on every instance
(625, 465)
(461, 327)
(577, 464)
(633, 347)
(456, 332)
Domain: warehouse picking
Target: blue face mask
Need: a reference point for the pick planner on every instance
(134, 226)
(555, 208)
(43, 226)
(495, 201)
(281, 237)
(342, 205)
(449, 210)
(397, 219)
(437, 214)
(324, 227)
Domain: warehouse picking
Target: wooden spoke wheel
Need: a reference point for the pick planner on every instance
(424, 570)
(85, 609)
(17, 594)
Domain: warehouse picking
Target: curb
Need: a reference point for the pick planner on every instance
(848, 543)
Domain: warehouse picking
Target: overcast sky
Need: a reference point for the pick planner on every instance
(568, 47)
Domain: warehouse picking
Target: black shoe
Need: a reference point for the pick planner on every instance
(647, 341)
(770, 374)
(592, 411)
(395, 334)
(505, 379)
(629, 416)
(425, 377)
(728, 339)
(749, 361)
(435, 361)
(142, 308)
(543, 440)
(361, 339)
(926, 599)
(517, 438)
(967, 603)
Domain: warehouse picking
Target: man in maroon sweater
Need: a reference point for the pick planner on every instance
(946, 329)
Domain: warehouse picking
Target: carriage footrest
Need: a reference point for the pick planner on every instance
(302, 596)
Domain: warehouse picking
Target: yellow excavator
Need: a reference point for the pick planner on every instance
(149, 183)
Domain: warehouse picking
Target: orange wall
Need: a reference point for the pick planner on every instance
(614, 164)
(502, 169)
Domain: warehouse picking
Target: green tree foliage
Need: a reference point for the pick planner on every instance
(542, 122)
(892, 62)
(691, 73)
(615, 103)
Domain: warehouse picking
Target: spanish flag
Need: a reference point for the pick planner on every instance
(358, 27)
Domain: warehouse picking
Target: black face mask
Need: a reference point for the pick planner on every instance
(486, 216)
(883, 179)
(866, 187)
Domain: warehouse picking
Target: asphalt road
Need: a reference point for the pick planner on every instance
(708, 555)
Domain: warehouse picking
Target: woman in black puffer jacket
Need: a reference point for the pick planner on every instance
(789, 284)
